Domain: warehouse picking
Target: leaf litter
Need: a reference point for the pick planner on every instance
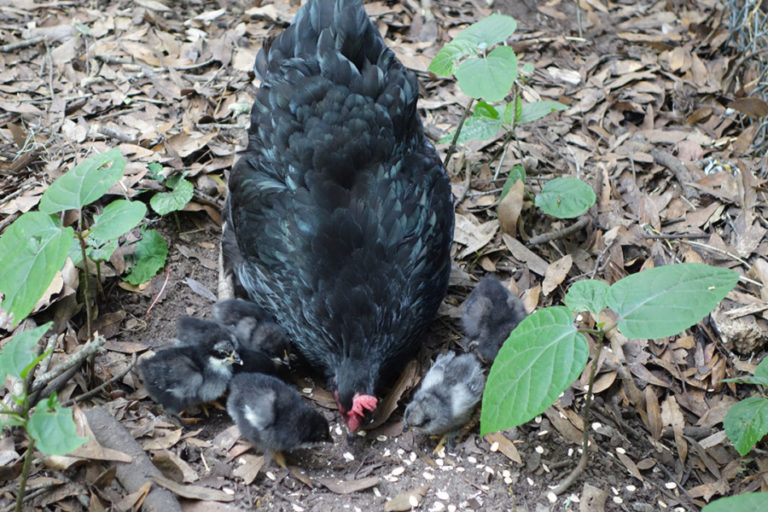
(660, 122)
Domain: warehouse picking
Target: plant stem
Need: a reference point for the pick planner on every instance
(582, 465)
(86, 291)
(452, 147)
(98, 280)
(25, 474)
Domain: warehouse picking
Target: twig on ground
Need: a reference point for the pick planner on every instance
(160, 293)
(681, 172)
(21, 44)
(102, 386)
(72, 361)
(559, 233)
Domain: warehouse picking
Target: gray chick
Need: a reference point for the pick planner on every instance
(271, 415)
(447, 396)
(489, 314)
(179, 376)
(253, 327)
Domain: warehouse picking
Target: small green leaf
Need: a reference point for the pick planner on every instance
(565, 198)
(446, 60)
(489, 31)
(509, 111)
(746, 423)
(760, 377)
(84, 184)
(102, 252)
(484, 109)
(18, 353)
(176, 199)
(118, 218)
(750, 502)
(155, 169)
(32, 250)
(664, 301)
(532, 111)
(151, 252)
(539, 360)
(475, 128)
(489, 78)
(516, 174)
(53, 428)
(587, 295)
(527, 68)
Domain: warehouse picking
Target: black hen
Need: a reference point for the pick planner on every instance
(271, 414)
(489, 314)
(340, 214)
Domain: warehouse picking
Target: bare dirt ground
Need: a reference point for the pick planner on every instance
(168, 82)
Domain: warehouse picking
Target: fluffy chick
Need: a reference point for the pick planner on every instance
(489, 314)
(180, 376)
(253, 327)
(447, 396)
(272, 416)
(232, 311)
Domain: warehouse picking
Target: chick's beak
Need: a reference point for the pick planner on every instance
(234, 358)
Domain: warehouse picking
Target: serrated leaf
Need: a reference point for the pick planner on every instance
(666, 300)
(18, 353)
(587, 295)
(118, 218)
(32, 250)
(489, 31)
(489, 78)
(151, 252)
(565, 198)
(750, 502)
(53, 428)
(540, 359)
(166, 202)
(532, 111)
(746, 423)
(444, 63)
(84, 184)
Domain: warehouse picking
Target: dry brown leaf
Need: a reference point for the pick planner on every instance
(247, 467)
(630, 465)
(510, 208)
(672, 415)
(163, 439)
(556, 273)
(408, 380)
(348, 486)
(473, 234)
(506, 446)
(407, 500)
(194, 492)
(525, 255)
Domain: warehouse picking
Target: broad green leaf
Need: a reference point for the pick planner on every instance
(484, 109)
(746, 423)
(565, 198)
(18, 353)
(166, 202)
(32, 250)
(475, 128)
(446, 60)
(759, 378)
(532, 111)
(84, 184)
(539, 360)
(151, 252)
(53, 428)
(118, 218)
(587, 295)
(102, 252)
(509, 111)
(74, 253)
(750, 502)
(664, 301)
(516, 174)
(489, 31)
(489, 78)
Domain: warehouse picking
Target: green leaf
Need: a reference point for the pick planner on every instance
(746, 423)
(516, 174)
(489, 78)
(538, 109)
(118, 218)
(565, 198)
(539, 360)
(155, 169)
(587, 295)
(489, 31)
(53, 428)
(102, 252)
(84, 184)
(475, 128)
(527, 68)
(484, 109)
(151, 252)
(166, 202)
(750, 502)
(444, 63)
(18, 353)
(32, 250)
(759, 378)
(509, 111)
(664, 301)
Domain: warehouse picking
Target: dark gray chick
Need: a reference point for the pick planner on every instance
(191, 331)
(253, 327)
(489, 314)
(231, 311)
(447, 396)
(179, 376)
(271, 415)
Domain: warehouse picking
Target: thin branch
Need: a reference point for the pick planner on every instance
(452, 147)
(98, 389)
(21, 44)
(160, 293)
(74, 360)
(559, 233)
